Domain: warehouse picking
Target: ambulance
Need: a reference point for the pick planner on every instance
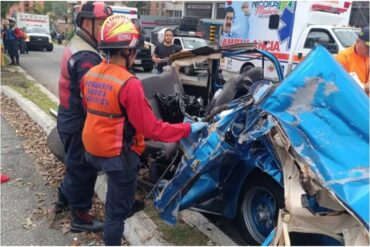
(288, 29)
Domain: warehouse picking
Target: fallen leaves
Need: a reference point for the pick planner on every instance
(28, 224)
(50, 168)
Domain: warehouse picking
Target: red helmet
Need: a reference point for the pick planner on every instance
(118, 32)
(93, 10)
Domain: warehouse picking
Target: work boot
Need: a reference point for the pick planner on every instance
(61, 206)
(136, 207)
(84, 222)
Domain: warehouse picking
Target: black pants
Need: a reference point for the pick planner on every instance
(80, 177)
(122, 181)
(13, 50)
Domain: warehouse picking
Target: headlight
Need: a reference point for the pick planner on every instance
(50, 41)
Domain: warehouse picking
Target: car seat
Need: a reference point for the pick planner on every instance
(166, 83)
(233, 87)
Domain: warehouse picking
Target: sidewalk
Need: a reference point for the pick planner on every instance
(139, 229)
(25, 197)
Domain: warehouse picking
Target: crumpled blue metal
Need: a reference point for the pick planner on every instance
(325, 116)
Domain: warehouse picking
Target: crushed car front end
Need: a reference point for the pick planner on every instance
(309, 134)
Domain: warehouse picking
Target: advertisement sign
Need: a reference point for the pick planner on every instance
(247, 21)
(32, 21)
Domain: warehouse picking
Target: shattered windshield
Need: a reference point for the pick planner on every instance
(346, 36)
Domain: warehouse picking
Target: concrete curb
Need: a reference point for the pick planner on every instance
(36, 114)
(43, 89)
(139, 229)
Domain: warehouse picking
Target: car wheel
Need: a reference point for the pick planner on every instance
(189, 70)
(148, 68)
(49, 49)
(259, 207)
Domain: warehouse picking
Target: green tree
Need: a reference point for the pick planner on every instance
(37, 9)
(58, 8)
(5, 6)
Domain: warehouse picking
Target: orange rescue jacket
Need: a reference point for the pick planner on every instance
(103, 134)
(352, 62)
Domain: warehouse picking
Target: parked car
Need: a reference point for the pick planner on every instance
(38, 38)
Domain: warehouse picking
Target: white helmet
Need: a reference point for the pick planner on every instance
(11, 19)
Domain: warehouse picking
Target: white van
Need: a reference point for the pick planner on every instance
(37, 28)
(301, 25)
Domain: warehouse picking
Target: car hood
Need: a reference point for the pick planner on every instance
(318, 118)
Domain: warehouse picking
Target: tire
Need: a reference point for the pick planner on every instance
(259, 206)
(55, 145)
(148, 68)
(49, 49)
(246, 68)
(189, 70)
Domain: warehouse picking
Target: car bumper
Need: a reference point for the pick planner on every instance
(39, 45)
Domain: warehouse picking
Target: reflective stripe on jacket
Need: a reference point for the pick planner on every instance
(103, 134)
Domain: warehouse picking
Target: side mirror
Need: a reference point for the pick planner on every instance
(274, 22)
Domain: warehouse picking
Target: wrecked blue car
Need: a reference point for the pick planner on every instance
(289, 155)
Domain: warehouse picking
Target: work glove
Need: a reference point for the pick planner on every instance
(197, 126)
(196, 129)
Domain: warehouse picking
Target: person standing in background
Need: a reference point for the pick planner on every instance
(13, 34)
(163, 51)
(22, 42)
(355, 59)
(3, 36)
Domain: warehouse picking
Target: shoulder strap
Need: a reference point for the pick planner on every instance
(78, 44)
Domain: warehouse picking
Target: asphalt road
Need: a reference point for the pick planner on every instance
(44, 67)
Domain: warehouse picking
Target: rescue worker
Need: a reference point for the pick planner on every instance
(77, 186)
(118, 118)
(13, 34)
(355, 59)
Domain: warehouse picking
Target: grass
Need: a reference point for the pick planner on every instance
(181, 234)
(25, 87)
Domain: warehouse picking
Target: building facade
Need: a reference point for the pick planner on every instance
(201, 9)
